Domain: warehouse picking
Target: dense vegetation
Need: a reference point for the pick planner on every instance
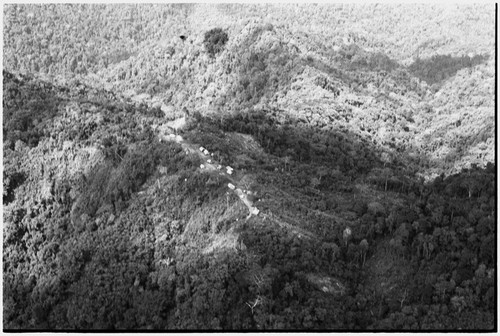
(373, 170)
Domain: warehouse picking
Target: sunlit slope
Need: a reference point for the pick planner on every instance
(410, 64)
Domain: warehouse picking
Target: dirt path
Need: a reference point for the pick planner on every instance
(214, 167)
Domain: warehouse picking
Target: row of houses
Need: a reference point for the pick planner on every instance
(241, 193)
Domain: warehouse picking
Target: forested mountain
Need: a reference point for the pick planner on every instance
(363, 134)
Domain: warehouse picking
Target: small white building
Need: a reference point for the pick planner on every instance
(209, 161)
(347, 234)
(206, 152)
(202, 149)
(202, 166)
(231, 186)
(254, 211)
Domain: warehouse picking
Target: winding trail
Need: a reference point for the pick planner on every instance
(323, 282)
(166, 131)
(213, 166)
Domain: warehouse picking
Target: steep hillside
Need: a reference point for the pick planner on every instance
(362, 196)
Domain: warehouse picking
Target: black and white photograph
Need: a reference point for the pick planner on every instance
(249, 167)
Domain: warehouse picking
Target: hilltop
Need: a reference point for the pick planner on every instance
(368, 150)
